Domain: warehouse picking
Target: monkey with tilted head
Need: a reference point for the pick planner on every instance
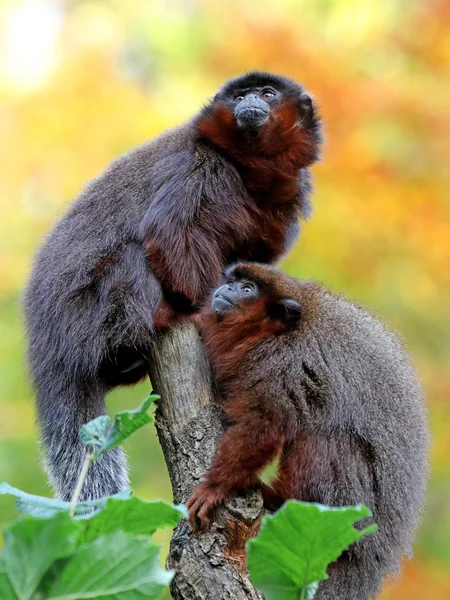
(144, 244)
(314, 379)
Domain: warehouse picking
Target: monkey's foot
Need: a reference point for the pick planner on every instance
(201, 502)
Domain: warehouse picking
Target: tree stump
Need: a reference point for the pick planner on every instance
(189, 422)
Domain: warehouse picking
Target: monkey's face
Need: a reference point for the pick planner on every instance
(230, 296)
(252, 108)
(257, 98)
(273, 112)
(245, 298)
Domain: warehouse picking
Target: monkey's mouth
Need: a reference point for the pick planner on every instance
(221, 305)
(251, 116)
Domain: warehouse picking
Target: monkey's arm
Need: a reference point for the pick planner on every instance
(188, 232)
(187, 262)
(244, 450)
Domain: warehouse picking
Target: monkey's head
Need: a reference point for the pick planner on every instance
(261, 113)
(259, 294)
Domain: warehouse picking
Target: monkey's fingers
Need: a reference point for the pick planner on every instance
(194, 504)
(190, 502)
(203, 514)
(193, 522)
(199, 505)
(199, 517)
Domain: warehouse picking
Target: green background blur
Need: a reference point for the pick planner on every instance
(82, 82)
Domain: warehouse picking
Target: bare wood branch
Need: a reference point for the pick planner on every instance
(189, 424)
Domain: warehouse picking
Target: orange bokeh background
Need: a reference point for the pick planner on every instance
(84, 81)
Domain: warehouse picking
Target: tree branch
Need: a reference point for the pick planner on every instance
(212, 563)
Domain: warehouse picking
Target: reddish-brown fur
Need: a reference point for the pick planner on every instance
(228, 341)
(240, 457)
(271, 161)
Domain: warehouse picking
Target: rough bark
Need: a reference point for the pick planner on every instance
(210, 564)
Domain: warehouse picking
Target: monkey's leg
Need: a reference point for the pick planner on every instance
(312, 469)
(81, 346)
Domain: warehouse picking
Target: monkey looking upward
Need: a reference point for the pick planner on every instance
(146, 241)
(317, 380)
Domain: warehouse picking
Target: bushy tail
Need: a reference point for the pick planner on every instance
(63, 407)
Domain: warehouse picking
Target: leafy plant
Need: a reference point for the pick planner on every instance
(95, 549)
(103, 549)
(289, 557)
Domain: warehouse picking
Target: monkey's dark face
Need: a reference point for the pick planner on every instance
(274, 112)
(228, 297)
(252, 298)
(256, 97)
(252, 107)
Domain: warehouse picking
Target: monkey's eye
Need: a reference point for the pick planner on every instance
(268, 93)
(239, 98)
(247, 288)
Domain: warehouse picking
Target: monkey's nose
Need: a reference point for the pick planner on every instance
(252, 111)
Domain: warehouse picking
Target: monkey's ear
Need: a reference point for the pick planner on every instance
(289, 311)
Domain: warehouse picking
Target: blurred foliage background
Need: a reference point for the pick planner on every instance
(84, 81)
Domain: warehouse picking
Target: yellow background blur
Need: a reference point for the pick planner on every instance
(82, 82)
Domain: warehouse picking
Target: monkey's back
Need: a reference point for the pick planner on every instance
(376, 393)
(375, 390)
(106, 212)
(66, 301)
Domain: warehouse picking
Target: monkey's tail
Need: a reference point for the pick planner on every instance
(63, 407)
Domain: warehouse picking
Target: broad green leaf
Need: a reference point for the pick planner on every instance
(89, 508)
(113, 567)
(32, 545)
(95, 432)
(6, 589)
(296, 545)
(50, 578)
(38, 506)
(127, 422)
(134, 516)
(99, 435)
(45, 508)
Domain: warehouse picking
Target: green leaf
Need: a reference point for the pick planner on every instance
(38, 506)
(127, 422)
(98, 434)
(113, 567)
(296, 545)
(133, 516)
(45, 508)
(89, 508)
(95, 432)
(6, 589)
(32, 545)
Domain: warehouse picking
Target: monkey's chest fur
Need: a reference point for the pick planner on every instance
(247, 213)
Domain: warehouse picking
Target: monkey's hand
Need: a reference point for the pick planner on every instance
(203, 499)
